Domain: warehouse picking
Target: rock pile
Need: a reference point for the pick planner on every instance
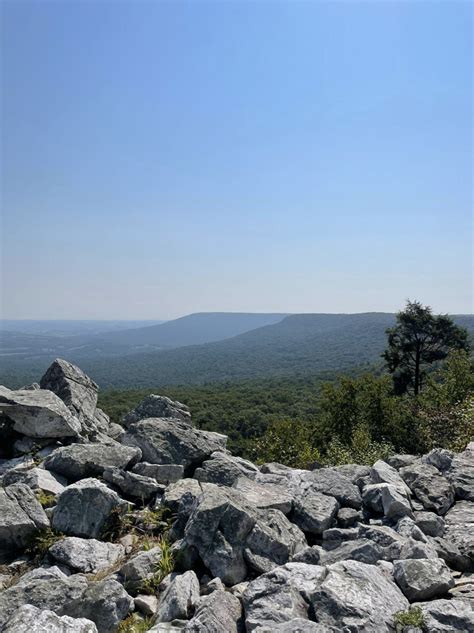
(107, 527)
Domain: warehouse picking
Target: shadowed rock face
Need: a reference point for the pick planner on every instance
(266, 549)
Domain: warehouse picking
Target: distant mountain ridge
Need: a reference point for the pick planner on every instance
(296, 345)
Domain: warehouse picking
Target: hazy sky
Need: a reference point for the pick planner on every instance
(161, 158)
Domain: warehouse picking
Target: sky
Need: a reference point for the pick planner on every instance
(162, 158)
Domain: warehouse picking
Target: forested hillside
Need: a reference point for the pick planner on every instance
(298, 346)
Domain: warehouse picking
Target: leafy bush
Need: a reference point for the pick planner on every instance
(362, 449)
(412, 617)
(287, 443)
(41, 541)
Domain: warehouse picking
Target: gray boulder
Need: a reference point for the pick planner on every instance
(395, 503)
(422, 579)
(264, 497)
(440, 458)
(21, 516)
(43, 588)
(400, 461)
(429, 486)
(372, 497)
(84, 507)
(86, 555)
(272, 542)
(461, 475)
(347, 517)
(459, 522)
(218, 611)
(451, 554)
(446, 616)
(314, 512)
(383, 473)
(105, 602)
(79, 461)
(430, 523)
(172, 441)
(222, 528)
(140, 568)
(157, 407)
(180, 598)
(333, 483)
(76, 390)
(38, 413)
(280, 596)
(357, 597)
(34, 620)
(163, 473)
(362, 550)
(36, 479)
(225, 469)
(133, 485)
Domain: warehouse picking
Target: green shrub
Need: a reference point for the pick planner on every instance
(164, 567)
(47, 499)
(412, 617)
(41, 541)
(135, 624)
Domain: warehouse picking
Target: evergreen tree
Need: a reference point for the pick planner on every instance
(416, 341)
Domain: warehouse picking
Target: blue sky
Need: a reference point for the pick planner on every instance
(161, 158)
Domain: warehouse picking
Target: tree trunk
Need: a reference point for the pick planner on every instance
(417, 372)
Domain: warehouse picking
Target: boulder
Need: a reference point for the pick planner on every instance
(172, 441)
(38, 413)
(429, 486)
(272, 542)
(140, 568)
(133, 485)
(84, 507)
(430, 523)
(451, 554)
(105, 602)
(314, 512)
(219, 611)
(440, 458)
(225, 469)
(347, 517)
(357, 597)
(36, 479)
(18, 522)
(79, 461)
(43, 588)
(333, 483)
(383, 473)
(265, 497)
(362, 550)
(76, 390)
(148, 605)
(26, 499)
(86, 555)
(372, 497)
(447, 616)
(399, 461)
(461, 475)
(422, 579)
(222, 528)
(395, 503)
(459, 528)
(280, 596)
(163, 473)
(34, 620)
(180, 598)
(157, 407)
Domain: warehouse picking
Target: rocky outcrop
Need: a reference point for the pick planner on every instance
(156, 519)
(157, 407)
(38, 414)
